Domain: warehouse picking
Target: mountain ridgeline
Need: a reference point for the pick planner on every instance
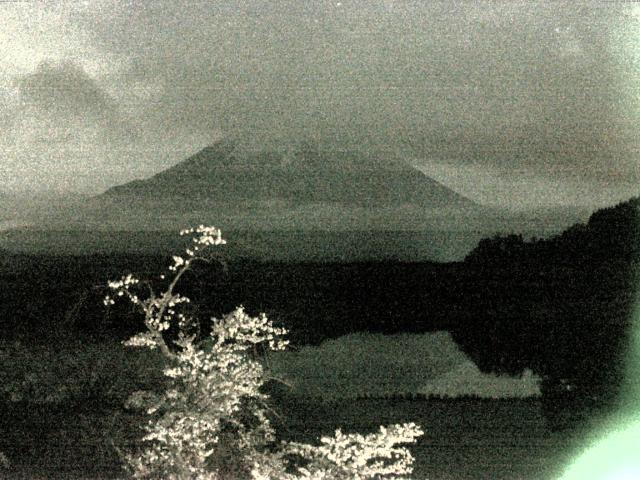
(297, 176)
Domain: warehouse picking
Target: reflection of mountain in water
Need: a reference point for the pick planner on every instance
(367, 365)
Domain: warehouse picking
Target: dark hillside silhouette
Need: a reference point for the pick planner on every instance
(562, 306)
(611, 233)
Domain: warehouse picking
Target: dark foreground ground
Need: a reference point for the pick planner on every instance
(464, 439)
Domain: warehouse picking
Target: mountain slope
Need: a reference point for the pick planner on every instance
(223, 174)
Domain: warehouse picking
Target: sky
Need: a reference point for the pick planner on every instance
(511, 103)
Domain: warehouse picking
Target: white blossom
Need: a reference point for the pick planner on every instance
(214, 403)
(144, 339)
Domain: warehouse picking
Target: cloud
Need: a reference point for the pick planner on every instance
(64, 131)
(66, 89)
(66, 99)
(367, 72)
(514, 87)
(531, 187)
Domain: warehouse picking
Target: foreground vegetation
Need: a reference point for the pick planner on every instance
(210, 411)
(212, 420)
(78, 434)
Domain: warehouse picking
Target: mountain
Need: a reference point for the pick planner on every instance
(225, 175)
(286, 188)
(292, 203)
(324, 204)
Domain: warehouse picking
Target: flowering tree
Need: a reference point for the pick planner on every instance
(212, 422)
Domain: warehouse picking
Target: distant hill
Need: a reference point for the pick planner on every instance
(223, 174)
(611, 234)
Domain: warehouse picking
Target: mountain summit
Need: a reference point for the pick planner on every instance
(224, 174)
(291, 188)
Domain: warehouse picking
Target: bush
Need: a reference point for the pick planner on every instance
(212, 422)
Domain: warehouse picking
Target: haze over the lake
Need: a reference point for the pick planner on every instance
(509, 103)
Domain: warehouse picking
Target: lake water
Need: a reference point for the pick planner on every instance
(463, 440)
(262, 245)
